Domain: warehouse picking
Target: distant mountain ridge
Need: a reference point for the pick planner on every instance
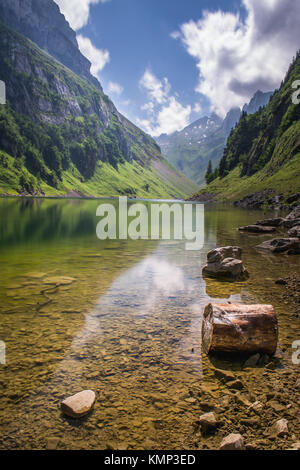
(204, 140)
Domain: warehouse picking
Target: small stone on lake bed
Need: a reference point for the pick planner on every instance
(52, 443)
(252, 361)
(79, 404)
(257, 406)
(232, 442)
(190, 400)
(225, 375)
(280, 428)
(62, 280)
(35, 275)
(208, 422)
(235, 385)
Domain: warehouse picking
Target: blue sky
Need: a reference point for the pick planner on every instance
(166, 63)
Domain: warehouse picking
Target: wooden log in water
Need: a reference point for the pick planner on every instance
(239, 328)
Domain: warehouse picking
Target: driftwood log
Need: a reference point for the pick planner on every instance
(239, 328)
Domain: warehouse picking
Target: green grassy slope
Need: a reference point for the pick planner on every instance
(59, 133)
(131, 179)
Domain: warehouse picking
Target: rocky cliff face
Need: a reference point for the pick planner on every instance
(42, 22)
(60, 133)
(40, 88)
(260, 99)
(230, 120)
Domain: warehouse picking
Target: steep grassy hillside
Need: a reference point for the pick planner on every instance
(263, 151)
(60, 133)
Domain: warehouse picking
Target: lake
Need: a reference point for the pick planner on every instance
(125, 322)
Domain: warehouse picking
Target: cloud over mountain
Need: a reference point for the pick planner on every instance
(98, 57)
(77, 12)
(165, 114)
(237, 55)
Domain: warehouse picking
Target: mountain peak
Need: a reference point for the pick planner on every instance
(231, 119)
(259, 99)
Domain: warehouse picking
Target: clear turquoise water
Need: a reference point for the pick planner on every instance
(125, 321)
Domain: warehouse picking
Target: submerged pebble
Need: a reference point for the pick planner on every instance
(79, 404)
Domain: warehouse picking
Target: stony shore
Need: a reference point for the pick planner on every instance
(264, 199)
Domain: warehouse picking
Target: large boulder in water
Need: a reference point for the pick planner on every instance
(225, 262)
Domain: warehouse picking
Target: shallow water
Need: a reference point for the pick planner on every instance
(125, 321)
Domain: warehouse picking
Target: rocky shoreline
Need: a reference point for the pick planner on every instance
(289, 224)
(291, 291)
(259, 200)
(252, 415)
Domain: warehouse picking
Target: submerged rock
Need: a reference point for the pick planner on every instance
(79, 404)
(225, 262)
(252, 361)
(280, 428)
(208, 422)
(295, 446)
(295, 214)
(295, 231)
(61, 280)
(232, 442)
(52, 443)
(35, 275)
(275, 222)
(291, 223)
(257, 406)
(242, 400)
(257, 229)
(280, 245)
(235, 385)
(225, 375)
(281, 282)
(250, 422)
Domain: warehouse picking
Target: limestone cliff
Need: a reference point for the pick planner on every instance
(60, 133)
(43, 23)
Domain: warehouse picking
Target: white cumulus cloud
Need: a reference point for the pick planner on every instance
(237, 56)
(157, 89)
(114, 88)
(98, 57)
(77, 12)
(172, 117)
(165, 114)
